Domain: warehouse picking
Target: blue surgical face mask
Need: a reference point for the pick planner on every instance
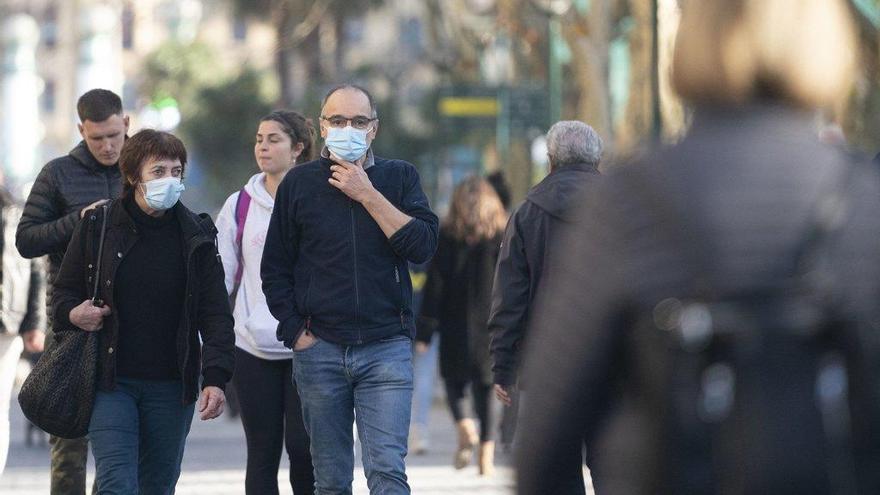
(347, 143)
(162, 194)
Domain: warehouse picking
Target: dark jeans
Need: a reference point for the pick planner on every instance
(137, 433)
(272, 415)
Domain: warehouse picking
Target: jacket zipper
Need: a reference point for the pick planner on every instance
(400, 291)
(186, 305)
(357, 297)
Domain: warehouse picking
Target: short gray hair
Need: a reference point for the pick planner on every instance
(570, 142)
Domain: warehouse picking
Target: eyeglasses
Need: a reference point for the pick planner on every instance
(359, 122)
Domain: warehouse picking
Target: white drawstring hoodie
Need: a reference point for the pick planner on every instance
(254, 324)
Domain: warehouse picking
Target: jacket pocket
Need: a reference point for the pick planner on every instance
(303, 293)
(397, 278)
(306, 309)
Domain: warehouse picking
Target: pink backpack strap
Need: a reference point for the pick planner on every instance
(241, 211)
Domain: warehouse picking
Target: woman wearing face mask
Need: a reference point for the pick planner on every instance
(270, 409)
(163, 318)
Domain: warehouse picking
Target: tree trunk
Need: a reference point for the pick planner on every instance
(587, 38)
(635, 128)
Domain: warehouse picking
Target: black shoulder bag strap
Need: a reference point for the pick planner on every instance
(95, 300)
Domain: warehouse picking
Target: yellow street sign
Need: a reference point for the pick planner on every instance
(452, 106)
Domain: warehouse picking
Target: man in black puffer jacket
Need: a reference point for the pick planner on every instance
(65, 189)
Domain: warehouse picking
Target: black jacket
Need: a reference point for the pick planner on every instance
(726, 210)
(524, 253)
(206, 311)
(328, 266)
(456, 302)
(63, 188)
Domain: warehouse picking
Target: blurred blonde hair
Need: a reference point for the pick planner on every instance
(731, 51)
(475, 212)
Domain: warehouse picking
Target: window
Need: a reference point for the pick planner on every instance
(47, 99)
(239, 29)
(49, 27)
(127, 26)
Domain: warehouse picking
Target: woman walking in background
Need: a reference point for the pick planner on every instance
(270, 406)
(162, 318)
(456, 304)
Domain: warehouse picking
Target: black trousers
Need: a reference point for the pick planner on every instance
(482, 396)
(272, 416)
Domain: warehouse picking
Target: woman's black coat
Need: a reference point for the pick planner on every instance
(456, 303)
(206, 311)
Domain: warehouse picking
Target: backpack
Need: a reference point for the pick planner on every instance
(761, 384)
(242, 205)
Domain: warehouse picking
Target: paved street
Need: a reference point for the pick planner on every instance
(215, 459)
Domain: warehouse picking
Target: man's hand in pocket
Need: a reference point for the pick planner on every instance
(305, 340)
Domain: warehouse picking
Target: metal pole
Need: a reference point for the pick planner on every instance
(554, 72)
(502, 124)
(656, 109)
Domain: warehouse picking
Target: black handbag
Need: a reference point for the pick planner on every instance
(59, 393)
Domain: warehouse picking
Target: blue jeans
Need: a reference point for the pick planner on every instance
(372, 383)
(425, 368)
(137, 433)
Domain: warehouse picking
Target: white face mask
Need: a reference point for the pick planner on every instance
(347, 143)
(162, 194)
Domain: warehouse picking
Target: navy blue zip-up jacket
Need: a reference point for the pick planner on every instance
(328, 267)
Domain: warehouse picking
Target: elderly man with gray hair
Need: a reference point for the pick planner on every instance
(574, 150)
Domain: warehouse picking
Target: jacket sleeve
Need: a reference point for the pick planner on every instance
(580, 322)
(226, 245)
(434, 293)
(417, 240)
(69, 289)
(43, 228)
(34, 318)
(279, 258)
(511, 296)
(214, 322)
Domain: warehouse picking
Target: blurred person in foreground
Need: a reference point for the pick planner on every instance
(456, 305)
(726, 215)
(165, 330)
(574, 150)
(335, 275)
(66, 188)
(271, 412)
(22, 309)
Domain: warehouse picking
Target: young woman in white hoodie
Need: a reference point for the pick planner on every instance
(270, 406)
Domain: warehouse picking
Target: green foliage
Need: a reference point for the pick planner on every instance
(179, 70)
(221, 131)
(219, 114)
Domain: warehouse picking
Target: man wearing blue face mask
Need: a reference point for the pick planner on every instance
(335, 275)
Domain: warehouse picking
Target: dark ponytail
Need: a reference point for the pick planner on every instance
(300, 130)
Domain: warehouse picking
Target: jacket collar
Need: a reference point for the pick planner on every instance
(192, 225)
(580, 167)
(369, 162)
(81, 154)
